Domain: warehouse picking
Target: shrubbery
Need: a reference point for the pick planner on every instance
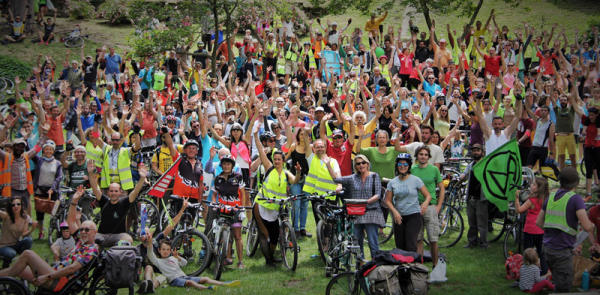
(80, 9)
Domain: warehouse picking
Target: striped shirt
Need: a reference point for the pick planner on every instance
(530, 274)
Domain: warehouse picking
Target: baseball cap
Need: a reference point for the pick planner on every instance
(337, 132)
(19, 141)
(319, 109)
(443, 40)
(231, 110)
(334, 24)
(477, 146)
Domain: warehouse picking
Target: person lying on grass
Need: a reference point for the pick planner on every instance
(170, 266)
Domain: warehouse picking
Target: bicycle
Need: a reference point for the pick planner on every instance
(341, 249)
(191, 244)
(287, 237)
(74, 39)
(60, 212)
(133, 221)
(513, 241)
(220, 236)
(346, 283)
(451, 226)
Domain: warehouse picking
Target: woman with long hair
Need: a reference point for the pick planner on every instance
(238, 144)
(16, 228)
(533, 236)
(297, 153)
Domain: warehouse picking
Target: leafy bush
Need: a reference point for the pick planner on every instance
(116, 11)
(80, 9)
(11, 67)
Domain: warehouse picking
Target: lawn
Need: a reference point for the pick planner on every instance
(475, 271)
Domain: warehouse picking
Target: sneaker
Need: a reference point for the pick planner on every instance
(484, 246)
(277, 260)
(142, 288)
(41, 235)
(469, 245)
(212, 287)
(240, 265)
(46, 43)
(298, 234)
(41, 43)
(231, 283)
(271, 264)
(150, 288)
(304, 233)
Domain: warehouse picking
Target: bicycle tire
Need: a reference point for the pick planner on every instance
(513, 241)
(10, 85)
(3, 85)
(319, 234)
(344, 283)
(74, 42)
(252, 239)
(195, 248)
(452, 226)
(53, 230)
(497, 221)
(388, 231)
(151, 220)
(582, 167)
(289, 246)
(222, 247)
(99, 287)
(12, 286)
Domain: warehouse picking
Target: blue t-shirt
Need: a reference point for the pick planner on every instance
(87, 122)
(113, 63)
(148, 78)
(431, 88)
(405, 194)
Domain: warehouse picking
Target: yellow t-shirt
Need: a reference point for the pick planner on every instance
(164, 158)
(366, 139)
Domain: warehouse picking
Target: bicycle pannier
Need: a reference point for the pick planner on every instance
(384, 280)
(123, 265)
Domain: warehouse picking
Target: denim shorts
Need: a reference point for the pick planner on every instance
(180, 282)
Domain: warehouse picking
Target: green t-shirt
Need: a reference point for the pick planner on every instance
(430, 176)
(381, 163)
(76, 175)
(564, 119)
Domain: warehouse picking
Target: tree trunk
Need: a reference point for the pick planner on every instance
(473, 17)
(213, 63)
(19, 7)
(426, 13)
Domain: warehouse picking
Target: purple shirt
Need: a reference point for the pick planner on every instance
(557, 239)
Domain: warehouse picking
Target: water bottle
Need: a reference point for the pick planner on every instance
(585, 280)
(144, 217)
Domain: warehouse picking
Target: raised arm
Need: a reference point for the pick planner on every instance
(91, 168)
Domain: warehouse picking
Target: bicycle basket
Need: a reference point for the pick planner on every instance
(356, 207)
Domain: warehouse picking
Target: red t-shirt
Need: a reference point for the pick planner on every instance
(546, 63)
(55, 133)
(492, 65)
(591, 137)
(594, 216)
(343, 155)
(524, 125)
(406, 66)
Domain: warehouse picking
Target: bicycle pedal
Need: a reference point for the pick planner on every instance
(298, 247)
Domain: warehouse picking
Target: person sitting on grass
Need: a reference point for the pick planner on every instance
(531, 281)
(170, 266)
(48, 35)
(63, 245)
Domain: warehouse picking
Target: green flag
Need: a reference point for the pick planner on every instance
(497, 173)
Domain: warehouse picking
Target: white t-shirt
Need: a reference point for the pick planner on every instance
(453, 111)
(437, 155)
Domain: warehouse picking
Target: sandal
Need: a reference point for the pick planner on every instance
(383, 235)
(228, 261)
(240, 265)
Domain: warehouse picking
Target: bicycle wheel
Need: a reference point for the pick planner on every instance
(289, 246)
(496, 223)
(12, 286)
(194, 247)
(582, 167)
(387, 233)
(9, 84)
(252, 239)
(53, 230)
(151, 220)
(222, 247)
(451, 226)
(3, 84)
(320, 238)
(99, 287)
(344, 283)
(513, 241)
(74, 42)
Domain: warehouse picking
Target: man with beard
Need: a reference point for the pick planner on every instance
(87, 118)
(114, 208)
(437, 155)
(329, 126)
(497, 137)
(33, 268)
(565, 138)
(477, 204)
(77, 174)
(56, 119)
(544, 130)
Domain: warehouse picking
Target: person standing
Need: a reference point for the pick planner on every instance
(402, 200)
(46, 180)
(364, 185)
(113, 65)
(477, 204)
(431, 178)
(559, 217)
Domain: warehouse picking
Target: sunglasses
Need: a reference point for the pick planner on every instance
(16, 205)
(236, 130)
(337, 137)
(444, 111)
(196, 126)
(430, 78)
(271, 140)
(86, 229)
(275, 128)
(280, 101)
(511, 65)
(360, 163)
(402, 164)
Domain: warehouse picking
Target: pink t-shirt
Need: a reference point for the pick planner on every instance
(532, 215)
(509, 79)
(406, 66)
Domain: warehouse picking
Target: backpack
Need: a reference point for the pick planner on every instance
(122, 267)
(415, 281)
(384, 280)
(513, 266)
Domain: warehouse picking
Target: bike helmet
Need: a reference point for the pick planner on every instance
(228, 158)
(64, 225)
(266, 136)
(191, 142)
(307, 43)
(170, 119)
(406, 157)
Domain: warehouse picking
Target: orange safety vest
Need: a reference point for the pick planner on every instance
(5, 176)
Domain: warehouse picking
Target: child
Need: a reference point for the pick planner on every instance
(531, 281)
(170, 266)
(533, 235)
(63, 245)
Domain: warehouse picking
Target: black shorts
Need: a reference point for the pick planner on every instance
(537, 154)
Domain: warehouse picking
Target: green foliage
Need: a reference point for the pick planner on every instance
(116, 11)
(80, 9)
(11, 67)
(588, 33)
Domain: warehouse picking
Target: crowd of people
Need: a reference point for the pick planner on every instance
(372, 113)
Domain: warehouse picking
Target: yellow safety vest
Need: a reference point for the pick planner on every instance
(385, 72)
(289, 55)
(281, 66)
(94, 153)
(318, 179)
(275, 187)
(272, 46)
(329, 131)
(311, 58)
(124, 170)
(556, 213)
